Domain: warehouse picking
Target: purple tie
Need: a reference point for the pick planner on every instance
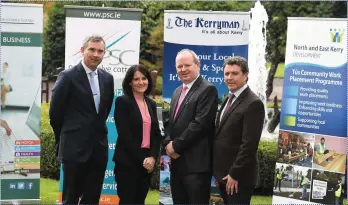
(229, 103)
(182, 96)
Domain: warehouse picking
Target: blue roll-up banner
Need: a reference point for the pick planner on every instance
(213, 36)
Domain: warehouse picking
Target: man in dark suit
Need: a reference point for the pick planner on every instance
(238, 131)
(190, 134)
(81, 101)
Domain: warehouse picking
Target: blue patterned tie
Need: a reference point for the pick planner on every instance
(94, 88)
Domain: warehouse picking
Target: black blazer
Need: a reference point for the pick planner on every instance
(77, 127)
(192, 131)
(129, 125)
(237, 138)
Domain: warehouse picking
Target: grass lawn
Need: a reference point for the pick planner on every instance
(49, 194)
(261, 199)
(49, 191)
(270, 104)
(280, 70)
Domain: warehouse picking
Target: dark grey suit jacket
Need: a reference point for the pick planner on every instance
(237, 138)
(192, 131)
(78, 129)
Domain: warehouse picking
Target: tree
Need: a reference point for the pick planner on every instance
(278, 13)
(54, 40)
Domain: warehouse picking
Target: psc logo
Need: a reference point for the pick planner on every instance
(118, 56)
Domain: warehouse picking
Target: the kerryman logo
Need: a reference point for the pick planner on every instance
(336, 35)
(168, 24)
(200, 22)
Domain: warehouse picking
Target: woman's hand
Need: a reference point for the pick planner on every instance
(149, 164)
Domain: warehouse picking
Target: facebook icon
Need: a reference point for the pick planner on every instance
(29, 185)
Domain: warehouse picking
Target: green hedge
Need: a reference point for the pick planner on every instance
(50, 168)
(49, 160)
(267, 154)
(159, 85)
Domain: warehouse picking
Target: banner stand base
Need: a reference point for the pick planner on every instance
(21, 201)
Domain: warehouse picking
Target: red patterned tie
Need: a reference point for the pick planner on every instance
(182, 96)
(229, 103)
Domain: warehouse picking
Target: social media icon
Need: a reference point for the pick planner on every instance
(12, 185)
(30, 185)
(20, 185)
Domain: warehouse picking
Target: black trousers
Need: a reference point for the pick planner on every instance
(132, 184)
(83, 180)
(190, 188)
(243, 196)
(278, 181)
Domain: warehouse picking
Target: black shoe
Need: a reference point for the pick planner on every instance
(10, 88)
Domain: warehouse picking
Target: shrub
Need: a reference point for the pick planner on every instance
(159, 83)
(49, 161)
(267, 154)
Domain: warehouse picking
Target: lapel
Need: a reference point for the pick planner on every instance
(187, 97)
(139, 118)
(217, 121)
(175, 100)
(235, 104)
(101, 88)
(137, 109)
(83, 79)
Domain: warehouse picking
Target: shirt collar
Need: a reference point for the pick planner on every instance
(189, 85)
(239, 91)
(88, 70)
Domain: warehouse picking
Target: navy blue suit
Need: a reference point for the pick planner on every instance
(81, 132)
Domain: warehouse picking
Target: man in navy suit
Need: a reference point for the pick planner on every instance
(81, 101)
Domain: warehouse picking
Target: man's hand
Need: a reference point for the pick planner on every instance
(4, 124)
(149, 163)
(231, 185)
(170, 151)
(175, 155)
(169, 148)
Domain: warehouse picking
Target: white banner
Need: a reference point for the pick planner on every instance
(20, 76)
(121, 29)
(313, 122)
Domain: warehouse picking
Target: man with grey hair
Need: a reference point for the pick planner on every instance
(190, 134)
(81, 102)
(238, 131)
